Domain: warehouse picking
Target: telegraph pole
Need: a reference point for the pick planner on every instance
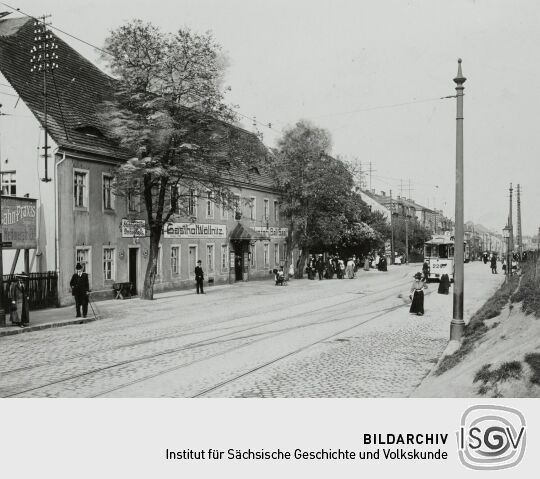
(519, 237)
(457, 325)
(392, 228)
(2, 310)
(44, 60)
(511, 226)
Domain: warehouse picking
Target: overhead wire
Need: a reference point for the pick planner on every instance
(251, 118)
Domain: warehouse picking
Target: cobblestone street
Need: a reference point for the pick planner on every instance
(331, 338)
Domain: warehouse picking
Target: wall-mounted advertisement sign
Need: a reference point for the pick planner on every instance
(272, 231)
(194, 230)
(19, 222)
(133, 228)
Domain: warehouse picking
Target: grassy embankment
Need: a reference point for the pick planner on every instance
(524, 289)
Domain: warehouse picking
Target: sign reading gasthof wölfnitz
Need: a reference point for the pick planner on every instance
(19, 222)
(195, 230)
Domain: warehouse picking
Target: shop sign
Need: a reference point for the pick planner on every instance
(272, 231)
(133, 228)
(19, 222)
(194, 230)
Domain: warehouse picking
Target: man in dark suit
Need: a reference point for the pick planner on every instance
(199, 277)
(80, 289)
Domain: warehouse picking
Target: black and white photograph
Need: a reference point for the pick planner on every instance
(333, 204)
(269, 200)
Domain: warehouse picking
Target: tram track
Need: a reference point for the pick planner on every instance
(257, 368)
(194, 331)
(208, 342)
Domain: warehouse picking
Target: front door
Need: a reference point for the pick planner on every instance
(133, 266)
(238, 262)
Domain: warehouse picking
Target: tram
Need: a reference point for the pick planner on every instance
(439, 255)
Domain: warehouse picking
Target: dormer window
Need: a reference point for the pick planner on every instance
(90, 130)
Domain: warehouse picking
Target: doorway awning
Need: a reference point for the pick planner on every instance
(245, 233)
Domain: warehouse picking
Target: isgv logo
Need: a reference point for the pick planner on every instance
(491, 437)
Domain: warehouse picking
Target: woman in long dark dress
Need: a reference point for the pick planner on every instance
(417, 293)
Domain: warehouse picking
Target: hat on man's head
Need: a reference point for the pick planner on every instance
(78, 266)
(418, 275)
(199, 261)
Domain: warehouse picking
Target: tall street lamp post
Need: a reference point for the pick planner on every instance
(506, 236)
(457, 325)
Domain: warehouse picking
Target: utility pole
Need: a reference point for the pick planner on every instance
(457, 325)
(519, 237)
(371, 170)
(407, 239)
(2, 310)
(392, 228)
(44, 60)
(510, 249)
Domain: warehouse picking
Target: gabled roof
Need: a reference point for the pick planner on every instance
(75, 89)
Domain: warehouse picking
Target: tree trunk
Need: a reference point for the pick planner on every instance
(299, 273)
(289, 249)
(151, 268)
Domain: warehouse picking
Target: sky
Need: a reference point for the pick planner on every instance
(373, 74)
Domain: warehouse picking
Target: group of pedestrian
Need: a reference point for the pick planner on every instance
(334, 265)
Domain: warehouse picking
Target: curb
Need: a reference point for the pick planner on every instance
(450, 348)
(39, 327)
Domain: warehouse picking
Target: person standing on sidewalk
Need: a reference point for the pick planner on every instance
(80, 288)
(199, 277)
(19, 302)
(494, 264)
(417, 295)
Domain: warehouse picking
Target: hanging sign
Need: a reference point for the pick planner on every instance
(272, 231)
(133, 228)
(19, 222)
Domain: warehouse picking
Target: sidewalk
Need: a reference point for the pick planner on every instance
(48, 318)
(65, 316)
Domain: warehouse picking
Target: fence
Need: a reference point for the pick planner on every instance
(42, 289)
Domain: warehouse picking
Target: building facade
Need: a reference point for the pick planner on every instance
(80, 220)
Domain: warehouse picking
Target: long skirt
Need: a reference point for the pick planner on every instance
(350, 272)
(366, 265)
(417, 306)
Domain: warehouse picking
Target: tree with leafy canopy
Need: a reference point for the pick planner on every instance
(169, 114)
(318, 199)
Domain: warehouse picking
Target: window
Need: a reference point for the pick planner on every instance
(175, 255)
(224, 257)
(9, 183)
(252, 208)
(224, 211)
(83, 255)
(266, 254)
(252, 250)
(107, 192)
(276, 254)
(209, 205)
(192, 203)
(237, 207)
(266, 209)
(210, 257)
(108, 264)
(276, 211)
(134, 198)
(80, 188)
